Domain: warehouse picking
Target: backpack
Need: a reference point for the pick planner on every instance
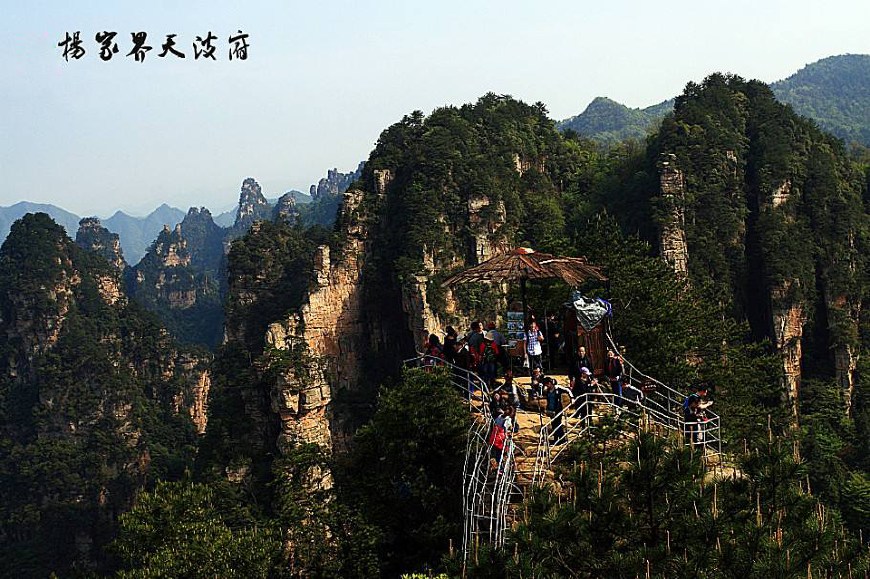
(489, 355)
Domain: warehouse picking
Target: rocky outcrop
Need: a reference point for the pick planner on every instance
(203, 239)
(92, 236)
(845, 314)
(163, 276)
(781, 195)
(789, 318)
(181, 283)
(252, 205)
(300, 395)
(331, 322)
(383, 178)
(194, 398)
(485, 223)
(285, 209)
(110, 289)
(672, 240)
(331, 335)
(335, 183)
(170, 248)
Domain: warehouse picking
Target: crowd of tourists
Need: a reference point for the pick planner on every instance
(485, 351)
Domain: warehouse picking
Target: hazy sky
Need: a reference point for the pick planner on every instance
(323, 79)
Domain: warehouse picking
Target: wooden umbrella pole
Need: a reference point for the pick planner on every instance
(547, 342)
(525, 324)
(525, 307)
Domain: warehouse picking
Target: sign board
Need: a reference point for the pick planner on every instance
(515, 326)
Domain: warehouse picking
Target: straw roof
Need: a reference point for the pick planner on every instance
(525, 263)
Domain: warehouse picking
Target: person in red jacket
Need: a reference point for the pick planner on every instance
(434, 351)
(488, 354)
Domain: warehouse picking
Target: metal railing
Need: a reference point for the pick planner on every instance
(489, 485)
(471, 386)
(659, 408)
(669, 404)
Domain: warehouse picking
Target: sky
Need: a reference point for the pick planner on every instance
(323, 79)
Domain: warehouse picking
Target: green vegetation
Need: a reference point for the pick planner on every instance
(417, 440)
(834, 92)
(775, 219)
(86, 415)
(609, 122)
(647, 508)
(179, 530)
(398, 516)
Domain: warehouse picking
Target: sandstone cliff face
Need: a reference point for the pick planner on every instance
(110, 290)
(285, 209)
(92, 236)
(845, 354)
(300, 396)
(340, 325)
(193, 399)
(331, 326)
(672, 239)
(253, 205)
(487, 242)
(788, 326)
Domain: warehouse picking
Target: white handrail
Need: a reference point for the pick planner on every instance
(486, 495)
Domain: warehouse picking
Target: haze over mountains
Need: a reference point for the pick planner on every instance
(834, 92)
(138, 233)
(214, 410)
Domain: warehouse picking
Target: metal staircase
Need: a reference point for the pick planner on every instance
(490, 488)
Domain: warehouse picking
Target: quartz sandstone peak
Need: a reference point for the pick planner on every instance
(335, 183)
(672, 240)
(285, 209)
(253, 206)
(92, 236)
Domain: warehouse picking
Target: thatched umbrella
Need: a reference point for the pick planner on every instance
(523, 264)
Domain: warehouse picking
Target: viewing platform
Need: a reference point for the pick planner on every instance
(529, 456)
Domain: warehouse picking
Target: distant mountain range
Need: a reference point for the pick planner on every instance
(834, 92)
(8, 216)
(138, 233)
(609, 122)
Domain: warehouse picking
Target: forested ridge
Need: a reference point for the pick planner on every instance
(832, 91)
(774, 216)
